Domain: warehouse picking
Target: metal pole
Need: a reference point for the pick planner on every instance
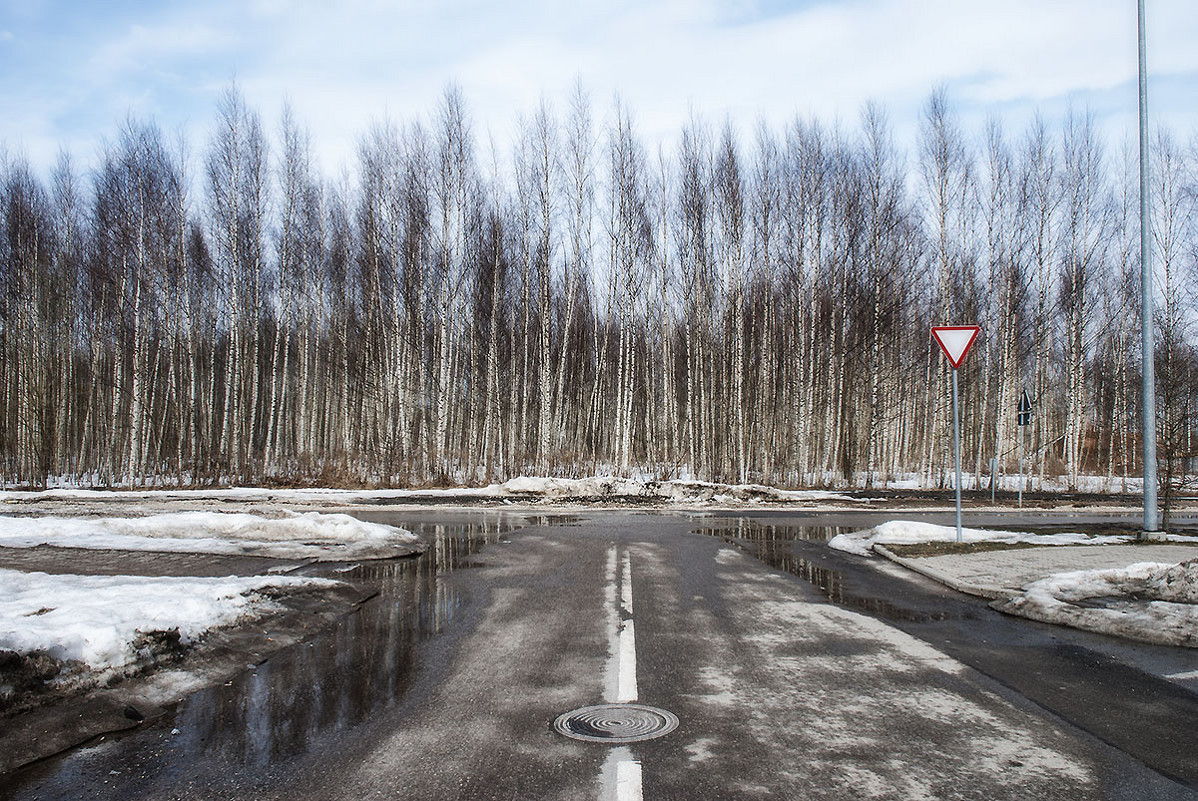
(1022, 434)
(1150, 512)
(957, 450)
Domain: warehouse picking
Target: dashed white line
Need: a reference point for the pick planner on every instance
(628, 781)
(611, 608)
(626, 690)
(1189, 674)
(621, 775)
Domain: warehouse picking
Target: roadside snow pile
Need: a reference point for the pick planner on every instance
(284, 535)
(604, 488)
(1178, 584)
(903, 532)
(110, 622)
(1150, 602)
(614, 488)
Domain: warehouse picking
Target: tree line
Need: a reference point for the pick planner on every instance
(747, 308)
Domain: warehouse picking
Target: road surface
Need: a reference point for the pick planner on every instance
(793, 672)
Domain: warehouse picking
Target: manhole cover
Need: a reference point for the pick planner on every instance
(616, 723)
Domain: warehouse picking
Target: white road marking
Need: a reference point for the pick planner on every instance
(621, 776)
(1189, 674)
(626, 691)
(628, 781)
(619, 685)
(611, 675)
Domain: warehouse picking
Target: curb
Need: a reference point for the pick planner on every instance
(980, 590)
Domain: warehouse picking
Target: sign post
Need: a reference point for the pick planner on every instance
(1024, 411)
(955, 341)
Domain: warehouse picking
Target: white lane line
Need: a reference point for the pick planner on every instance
(628, 781)
(1189, 674)
(619, 681)
(611, 673)
(620, 778)
(621, 775)
(626, 691)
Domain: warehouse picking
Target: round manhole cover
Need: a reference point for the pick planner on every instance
(616, 723)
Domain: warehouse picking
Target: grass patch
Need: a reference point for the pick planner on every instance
(918, 549)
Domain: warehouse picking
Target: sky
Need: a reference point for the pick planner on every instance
(75, 71)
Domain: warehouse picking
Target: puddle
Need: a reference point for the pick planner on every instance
(363, 665)
(304, 694)
(775, 545)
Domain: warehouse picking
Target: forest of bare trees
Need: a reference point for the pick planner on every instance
(738, 307)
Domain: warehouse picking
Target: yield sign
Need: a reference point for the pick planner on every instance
(955, 341)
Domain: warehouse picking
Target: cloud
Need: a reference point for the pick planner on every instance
(343, 65)
(145, 47)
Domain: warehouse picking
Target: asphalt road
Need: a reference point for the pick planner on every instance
(794, 672)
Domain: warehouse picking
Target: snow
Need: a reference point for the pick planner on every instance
(67, 488)
(904, 532)
(284, 535)
(532, 488)
(1147, 601)
(99, 620)
(241, 494)
(640, 486)
(672, 491)
(1177, 584)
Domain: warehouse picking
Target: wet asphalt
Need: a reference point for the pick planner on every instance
(795, 672)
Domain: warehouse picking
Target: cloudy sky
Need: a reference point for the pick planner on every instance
(75, 70)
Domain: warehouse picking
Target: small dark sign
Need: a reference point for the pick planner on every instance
(1025, 410)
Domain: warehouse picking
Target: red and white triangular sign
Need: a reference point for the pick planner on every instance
(955, 341)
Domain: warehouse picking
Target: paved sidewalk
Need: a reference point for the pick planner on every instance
(1001, 574)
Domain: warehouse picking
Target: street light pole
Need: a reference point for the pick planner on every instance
(1150, 512)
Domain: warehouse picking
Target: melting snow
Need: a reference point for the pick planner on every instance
(99, 620)
(605, 487)
(288, 535)
(1148, 601)
(902, 532)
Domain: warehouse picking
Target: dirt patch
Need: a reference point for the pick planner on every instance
(35, 679)
(23, 677)
(916, 550)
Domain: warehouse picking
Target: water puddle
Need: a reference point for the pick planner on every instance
(783, 546)
(344, 676)
(303, 695)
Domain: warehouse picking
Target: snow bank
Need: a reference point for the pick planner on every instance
(1178, 584)
(524, 488)
(673, 491)
(311, 495)
(902, 532)
(1148, 601)
(102, 621)
(285, 535)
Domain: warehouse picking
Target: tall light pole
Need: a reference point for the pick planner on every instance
(1150, 513)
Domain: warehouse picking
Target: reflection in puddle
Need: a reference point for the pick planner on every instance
(302, 695)
(342, 677)
(776, 546)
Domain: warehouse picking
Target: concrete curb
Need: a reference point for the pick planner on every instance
(980, 590)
